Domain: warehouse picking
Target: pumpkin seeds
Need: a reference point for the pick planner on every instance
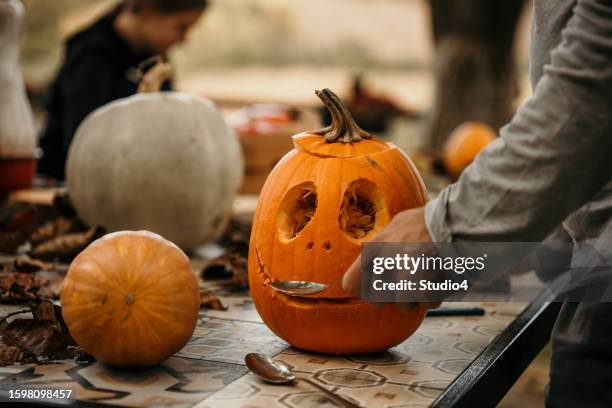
(357, 215)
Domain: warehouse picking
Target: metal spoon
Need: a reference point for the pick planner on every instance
(277, 372)
(301, 288)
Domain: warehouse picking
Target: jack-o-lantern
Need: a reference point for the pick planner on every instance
(338, 187)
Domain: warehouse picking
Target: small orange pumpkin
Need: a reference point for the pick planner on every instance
(131, 299)
(464, 144)
(338, 187)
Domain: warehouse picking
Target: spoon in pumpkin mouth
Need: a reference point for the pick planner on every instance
(301, 288)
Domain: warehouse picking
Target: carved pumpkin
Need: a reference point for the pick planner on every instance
(17, 131)
(464, 144)
(131, 299)
(338, 187)
(161, 161)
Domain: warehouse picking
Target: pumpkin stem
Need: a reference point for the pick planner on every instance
(343, 128)
(152, 80)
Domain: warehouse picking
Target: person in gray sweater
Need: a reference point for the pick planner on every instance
(551, 165)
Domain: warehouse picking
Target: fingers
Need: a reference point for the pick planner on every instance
(351, 281)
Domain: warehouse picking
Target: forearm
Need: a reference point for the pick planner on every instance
(552, 157)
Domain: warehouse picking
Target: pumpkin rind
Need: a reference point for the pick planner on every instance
(131, 299)
(165, 162)
(332, 321)
(464, 144)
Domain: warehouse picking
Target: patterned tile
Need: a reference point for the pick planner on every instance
(177, 382)
(361, 387)
(228, 341)
(9, 371)
(239, 307)
(209, 371)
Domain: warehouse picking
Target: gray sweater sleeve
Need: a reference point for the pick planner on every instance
(553, 156)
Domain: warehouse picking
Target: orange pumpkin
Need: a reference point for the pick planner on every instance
(338, 187)
(131, 299)
(464, 144)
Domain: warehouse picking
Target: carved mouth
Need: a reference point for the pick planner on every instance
(316, 301)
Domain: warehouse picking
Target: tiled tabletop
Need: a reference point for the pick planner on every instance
(210, 372)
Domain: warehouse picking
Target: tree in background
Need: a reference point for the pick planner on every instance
(475, 68)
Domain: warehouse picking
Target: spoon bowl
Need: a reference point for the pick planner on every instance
(275, 372)
(299, 288)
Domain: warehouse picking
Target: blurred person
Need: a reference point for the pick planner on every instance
(550, 165)
(101, 65)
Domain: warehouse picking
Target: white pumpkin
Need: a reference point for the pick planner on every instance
(162, 161)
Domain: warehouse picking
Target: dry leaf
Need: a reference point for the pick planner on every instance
(219, 268)
(236, 237)
(26, 286)
(22, 219)
(65, 246)
(15, 231)
(38, 339)
(23, 264)
(51, 229)
(230, 267)
(208, 300)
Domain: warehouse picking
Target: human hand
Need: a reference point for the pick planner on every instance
(407, 226)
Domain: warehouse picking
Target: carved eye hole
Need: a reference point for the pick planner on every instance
(362, 206)
(296, 210)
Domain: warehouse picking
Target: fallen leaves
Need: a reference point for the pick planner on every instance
(209, 300)
(15, 228)
(46, 232)
(51, 229)
(230, 269)
(39, 338)
(236, 237)
(23, 264)
(66, 246)
(27, 279)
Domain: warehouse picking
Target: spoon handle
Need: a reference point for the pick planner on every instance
(335, 397)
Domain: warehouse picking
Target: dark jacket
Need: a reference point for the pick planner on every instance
(99, 67)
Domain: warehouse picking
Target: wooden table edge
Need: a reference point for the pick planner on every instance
(490, 376)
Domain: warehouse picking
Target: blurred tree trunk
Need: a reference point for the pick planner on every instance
(474, 67)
